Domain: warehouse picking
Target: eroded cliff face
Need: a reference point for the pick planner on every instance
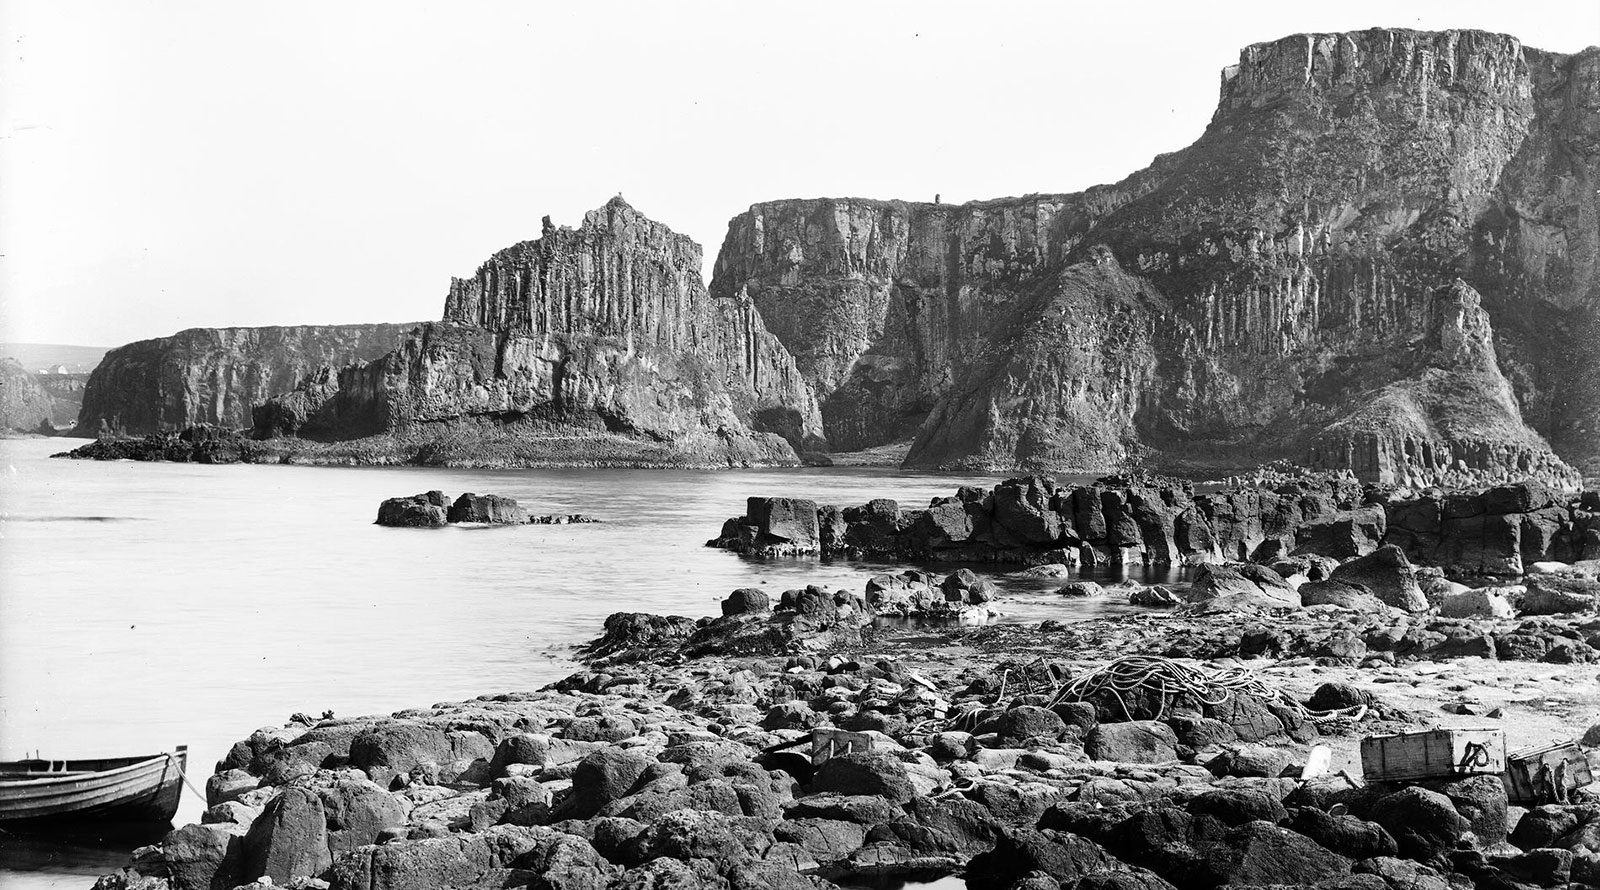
(606, 329)
(1235, 299)
(24, 404)
(216, 375)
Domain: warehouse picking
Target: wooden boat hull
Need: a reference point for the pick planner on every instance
(124, 791)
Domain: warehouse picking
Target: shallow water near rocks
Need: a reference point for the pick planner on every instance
(148, 605)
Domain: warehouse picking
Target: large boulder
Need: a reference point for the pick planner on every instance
(1481, 800)
(487, 508)
(1559, 594)
(426, 510)
(289, 839)
(357, 812)
(602, 777)
(203, 857)
(1139, 741)
(1424, 823)
(1389, 575)
(791, 521)
(1481, 603)
(1020, 851)
(1023, 512)
(1262, 853)
(747, 600)
(1241, 588)
(875, 773)
(1354, 597)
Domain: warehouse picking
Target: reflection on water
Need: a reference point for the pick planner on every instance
(235, 596)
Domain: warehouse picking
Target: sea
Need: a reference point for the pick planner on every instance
(149, 605)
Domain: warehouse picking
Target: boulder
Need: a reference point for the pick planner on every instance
(1481, 800)
(357, 813)
(1080, 589)
(1139, 741)
(486, 508)
(1022, 510)
(1020, 851)
(603, 776)
(1157, 596)
(1238, 805)
(1250, 760)
(202, 857)
(1024, 722)
(747, 600)
(1481, 603)
(289, 839)
(1424, 823)
(874, 773)
(425, 510)
(1345, 595)
(1241, 588)
(791, 521)
(1262, 853)
(1559, 594)
(1389, 575)
(1345, 835)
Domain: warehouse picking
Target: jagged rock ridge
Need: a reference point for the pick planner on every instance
(1230, 301)
(603, 330)
(216, 375)
(24, 403)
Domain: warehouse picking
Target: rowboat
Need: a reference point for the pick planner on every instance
(113, 790)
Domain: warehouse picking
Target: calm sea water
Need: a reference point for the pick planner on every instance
(144, 606)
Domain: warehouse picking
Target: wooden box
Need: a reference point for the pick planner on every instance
(1433, 753)
(1523, 768)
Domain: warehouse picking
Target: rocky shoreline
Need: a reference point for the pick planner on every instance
(817, 737)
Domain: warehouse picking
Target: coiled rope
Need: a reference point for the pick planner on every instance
(1130, 674)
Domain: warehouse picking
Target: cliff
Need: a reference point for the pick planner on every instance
(25, 406)
(216, 375)
(600, 337)
(1236, 299)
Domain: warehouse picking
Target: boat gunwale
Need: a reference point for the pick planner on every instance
(61, 778)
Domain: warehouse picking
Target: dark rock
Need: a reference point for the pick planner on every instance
(1019, 851)
(1140, 741)
(289, 839)
(1024, 722)
(417, 511)
(1424, 823)
(1389, 575)
(871, 773)
(1236, 806)
(487, 508)
(746, 600)
(603, 776)
(1262, 853)
(357, 813)
(1481, 800)
(1345, 835)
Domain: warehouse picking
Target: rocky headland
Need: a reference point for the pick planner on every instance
(1380, 256)
(25, 405)
(215, 376)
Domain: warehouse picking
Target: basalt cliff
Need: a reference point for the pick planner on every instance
(1277, 289)
(1382, 256)
(598, 344)
(216, 376)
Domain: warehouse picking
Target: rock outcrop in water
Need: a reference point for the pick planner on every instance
(582, 343)
(1241, 299)
(217, 375)
(1124, 522)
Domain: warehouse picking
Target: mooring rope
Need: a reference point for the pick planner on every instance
(1132, 673)
(182, 774)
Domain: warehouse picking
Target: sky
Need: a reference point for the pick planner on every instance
(166, 165)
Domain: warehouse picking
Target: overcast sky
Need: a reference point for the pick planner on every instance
(166, 165)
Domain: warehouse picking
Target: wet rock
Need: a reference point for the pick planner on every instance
(1424, 823)
(792, 521)
(872, 773)
(1080, 589)
(486, 508)
(1157, 596)
(425, 510)
(1139, 741)
(1389, 575)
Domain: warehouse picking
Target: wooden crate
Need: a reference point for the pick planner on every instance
(1565, 759)
(1433, 753)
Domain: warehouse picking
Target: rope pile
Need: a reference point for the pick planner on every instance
(1131, 673)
